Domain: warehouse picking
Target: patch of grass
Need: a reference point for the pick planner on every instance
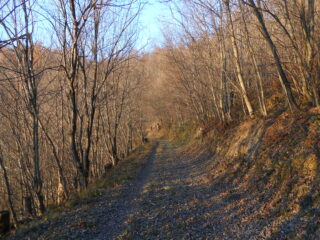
(183, 134)
(149, 187)
(306, 164)
(167, 188)
(52, 215)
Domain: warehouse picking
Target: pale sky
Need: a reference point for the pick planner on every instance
(150, 24)
(151, 20)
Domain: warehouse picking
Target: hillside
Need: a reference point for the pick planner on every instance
(256, 180)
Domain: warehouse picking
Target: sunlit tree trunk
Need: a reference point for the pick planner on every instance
(235, 49)
(282, 75)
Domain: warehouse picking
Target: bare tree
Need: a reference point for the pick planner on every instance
(8, 188)
(237, 59)
(282, 75)
(24, 51)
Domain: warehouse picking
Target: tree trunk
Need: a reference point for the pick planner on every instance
(62, 179)
(235, 49)
(282, 75)
(7, 184)
(255, 64)
(36, 157)
(4, 222)
(27, 206)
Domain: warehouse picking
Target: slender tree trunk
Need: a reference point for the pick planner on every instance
(255, 64)
(282, 75)
(307, 19)
(62, 178)
(237, 61)
(37, 174)
(7, 185)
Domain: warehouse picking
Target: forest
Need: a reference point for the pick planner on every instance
(78, 95)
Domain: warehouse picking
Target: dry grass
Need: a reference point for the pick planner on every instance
(183, 134)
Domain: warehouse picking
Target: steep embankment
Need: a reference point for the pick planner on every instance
(270, 171)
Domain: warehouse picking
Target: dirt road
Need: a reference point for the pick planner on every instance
(168, 200)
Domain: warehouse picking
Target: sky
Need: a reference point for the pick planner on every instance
(151, 21)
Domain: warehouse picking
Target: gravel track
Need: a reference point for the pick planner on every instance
(169, 200)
